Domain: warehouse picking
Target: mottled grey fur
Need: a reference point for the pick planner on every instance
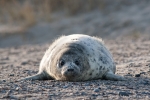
(77, 58)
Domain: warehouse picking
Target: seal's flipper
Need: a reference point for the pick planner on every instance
(114, 77)
(39, 76)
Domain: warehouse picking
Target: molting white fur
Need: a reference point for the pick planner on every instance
(96, 61)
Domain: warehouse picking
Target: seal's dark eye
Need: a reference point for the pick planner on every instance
(77, 62)
(62, 62)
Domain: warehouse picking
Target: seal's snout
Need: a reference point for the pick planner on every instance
(70, 70)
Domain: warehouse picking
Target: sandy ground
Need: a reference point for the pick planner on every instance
(132, 57)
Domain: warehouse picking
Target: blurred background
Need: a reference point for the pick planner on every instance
(42, 21)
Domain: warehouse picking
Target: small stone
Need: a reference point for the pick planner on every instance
(76, 93)
(71, 93)
(94, 95)
(143, 73)
(17, 88)
(96, 90)
(103, 93)
(11, 74)
(65, 86)
(83, 93)
(4, 80)
(124, 94)
(24, 63)
(87, 87)
(137, 75)
(87, 84)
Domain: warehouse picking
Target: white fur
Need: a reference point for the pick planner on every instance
(100, 60)
(93, 47)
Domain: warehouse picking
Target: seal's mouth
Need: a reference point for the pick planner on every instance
(70, 73)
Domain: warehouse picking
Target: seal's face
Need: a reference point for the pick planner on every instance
(70, 64)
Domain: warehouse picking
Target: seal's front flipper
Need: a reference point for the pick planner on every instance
(114, 77)
(39, 76)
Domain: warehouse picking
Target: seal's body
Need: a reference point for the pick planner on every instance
(77, 58)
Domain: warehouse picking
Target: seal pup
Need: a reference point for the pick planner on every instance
(77, 57)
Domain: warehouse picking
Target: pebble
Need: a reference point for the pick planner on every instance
(11, 74)
(4, 80)
(83, 93)
(129, 74)
(87, 84)
(124, 93)
(96, 89)
(24, 63)
(137, 75)
(17, 88)
(71, 93)
(65, 86)
(87, 87)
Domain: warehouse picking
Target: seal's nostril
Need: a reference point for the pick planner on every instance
(70, 70)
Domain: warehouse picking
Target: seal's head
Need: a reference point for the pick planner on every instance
(69, 63)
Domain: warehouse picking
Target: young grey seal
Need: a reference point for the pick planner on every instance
(77, 57)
